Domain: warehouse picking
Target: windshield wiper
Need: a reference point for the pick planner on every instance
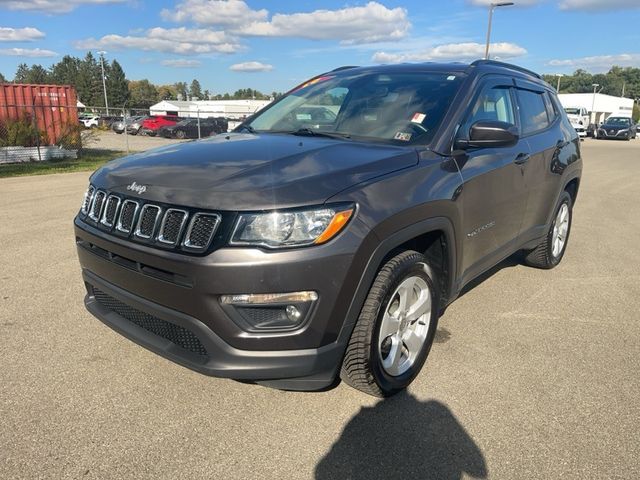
(308, 132)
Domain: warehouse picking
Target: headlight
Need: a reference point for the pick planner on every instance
(280, 229)
(626, 130)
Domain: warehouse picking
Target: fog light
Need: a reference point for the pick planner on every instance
(293, 313)
(270, 311)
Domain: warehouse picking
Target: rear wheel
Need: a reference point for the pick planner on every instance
(549, 252)
(395, 329)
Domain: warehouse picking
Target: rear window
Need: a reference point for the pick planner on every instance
(532, 111)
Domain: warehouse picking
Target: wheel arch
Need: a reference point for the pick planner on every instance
(434, 236)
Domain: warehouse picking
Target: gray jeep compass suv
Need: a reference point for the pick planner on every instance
(324, 236)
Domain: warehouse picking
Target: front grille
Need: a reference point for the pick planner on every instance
(96, 207)
(110, 210)
(160, 225)
(148, 221)
(172, 225)
(127, 216)
(201, 230)
(180, 336)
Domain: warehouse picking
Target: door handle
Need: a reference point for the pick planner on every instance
(522, 158)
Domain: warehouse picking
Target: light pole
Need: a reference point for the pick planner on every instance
(593, 102)
(559, 75)
(491, 7)
(104, 85)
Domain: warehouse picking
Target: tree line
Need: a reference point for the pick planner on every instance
(618, 81)
(85, 74)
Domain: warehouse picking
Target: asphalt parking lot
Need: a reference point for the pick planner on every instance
(534, 374)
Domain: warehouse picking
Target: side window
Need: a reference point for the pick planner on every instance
(533, 112)
(493, 103)
(551, 111)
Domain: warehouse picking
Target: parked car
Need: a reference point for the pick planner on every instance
(292, 255)
(617, 128)
(91, 121)
(151, 125)
(189, 128)
(136, 125)
(119, 126)
(109, 120)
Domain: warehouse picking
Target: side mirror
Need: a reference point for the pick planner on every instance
(488, 134)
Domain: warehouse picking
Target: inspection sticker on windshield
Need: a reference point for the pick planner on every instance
(418, 117)
(405, 137)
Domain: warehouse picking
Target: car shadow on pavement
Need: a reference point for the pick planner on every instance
(402, 437)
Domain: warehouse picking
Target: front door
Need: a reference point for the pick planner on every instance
(493, 195)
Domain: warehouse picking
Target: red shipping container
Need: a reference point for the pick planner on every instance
(53, 106)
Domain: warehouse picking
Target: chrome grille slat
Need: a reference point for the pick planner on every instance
(148, 221)
(110, 211)
(88, 198)
(172, 225)
(97, 205)
(127, 216)
(201, 230)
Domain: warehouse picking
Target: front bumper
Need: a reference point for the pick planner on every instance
(184, 291)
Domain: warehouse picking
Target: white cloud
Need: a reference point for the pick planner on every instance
(372, 22)
(606, 5)
(27, 34)
(51, 6)
(599, 62)
(452, 51)
(27, 52)
(518, 3)
(251, 67)
(214, 12)
(182, 41)
(181, 63)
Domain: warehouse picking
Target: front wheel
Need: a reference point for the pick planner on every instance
(395, 329)
(550, 251)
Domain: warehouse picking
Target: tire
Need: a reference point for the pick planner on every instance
(548, 253)
(367, 353)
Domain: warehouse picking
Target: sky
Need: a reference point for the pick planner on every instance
(274, 45)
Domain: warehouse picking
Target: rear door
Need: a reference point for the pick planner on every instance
(540, 129)
(493, 194)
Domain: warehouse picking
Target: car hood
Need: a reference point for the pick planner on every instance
(252, 171)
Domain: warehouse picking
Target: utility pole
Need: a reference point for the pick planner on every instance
(593, 102)
(104, 84)
(559, 75)
(492, 6)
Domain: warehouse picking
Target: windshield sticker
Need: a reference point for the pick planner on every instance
(418, 118)
(404, 136)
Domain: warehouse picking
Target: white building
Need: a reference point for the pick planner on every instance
(232, 109)
(603, 106)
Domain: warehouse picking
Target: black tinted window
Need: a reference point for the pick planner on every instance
(533, 112)
(551, 111)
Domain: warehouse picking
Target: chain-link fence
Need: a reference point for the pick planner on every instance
(38, 132)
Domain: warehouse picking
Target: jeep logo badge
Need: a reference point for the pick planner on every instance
(139, 189)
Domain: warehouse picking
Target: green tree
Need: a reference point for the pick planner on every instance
(117, 85)
(195, 91)
(2, 79)
(143, 93)
(65, 72)
(181, 90)
(89, 82)
(21, 73)
(206, 95)
(167, 92)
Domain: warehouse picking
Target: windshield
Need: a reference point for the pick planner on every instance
(618, 121)
(399, 108)
(572, 111)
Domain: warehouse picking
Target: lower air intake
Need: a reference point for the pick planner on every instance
(176, 334)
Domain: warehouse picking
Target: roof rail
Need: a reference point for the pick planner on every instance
(506, 65)
(346, 67)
